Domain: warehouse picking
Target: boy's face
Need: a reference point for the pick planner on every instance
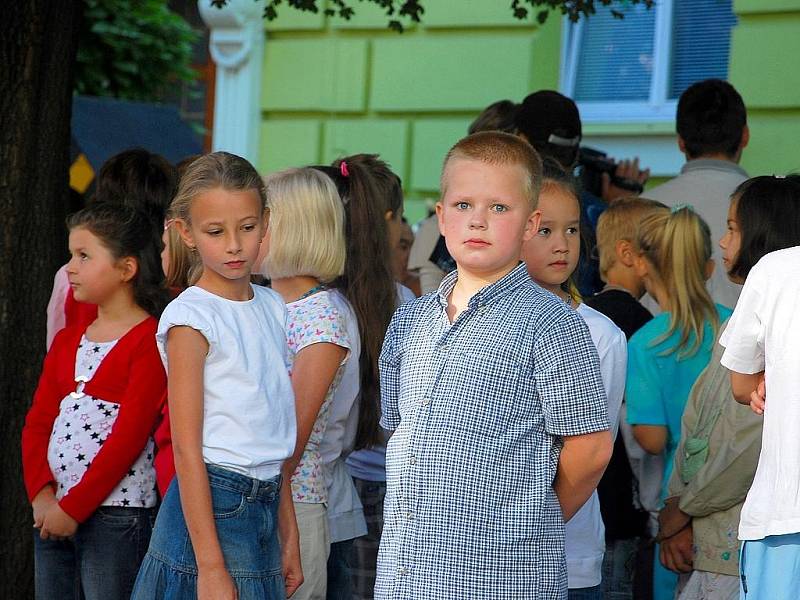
(485, 216)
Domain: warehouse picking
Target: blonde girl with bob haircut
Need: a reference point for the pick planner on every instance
(306, 252)
(226, 527)
(667, 354)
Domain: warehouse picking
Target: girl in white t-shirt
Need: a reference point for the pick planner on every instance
(305, 252)
(232, 415)
(762, 350)
(552, 257)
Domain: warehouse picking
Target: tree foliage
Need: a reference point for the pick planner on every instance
(132, 49)
(414, 9)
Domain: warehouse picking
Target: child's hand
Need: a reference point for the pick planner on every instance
(42, 503)
(58, 525)
(677, 552)
(292, 570)
(671, 519)
(215, 583)
(758, 398)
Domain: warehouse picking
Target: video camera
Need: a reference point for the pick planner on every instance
(591, 166)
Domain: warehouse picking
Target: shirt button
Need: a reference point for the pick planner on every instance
(402, 571)
(409, 516)
(412, 460)
(426, 401)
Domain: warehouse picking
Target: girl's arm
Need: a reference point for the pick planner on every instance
(38, 427)
(314, 369)
(652, 438)
(290, 541)
(744, 384)
(186, 354)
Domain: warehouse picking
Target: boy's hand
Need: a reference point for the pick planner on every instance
(758, 399)
(42, 503)
(677, 552)
(291, 567)
(58, 525)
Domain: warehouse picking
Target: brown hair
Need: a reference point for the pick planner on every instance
(620, 221)
(367, 282)
(498, 148)
(677, 244)
(498, 116)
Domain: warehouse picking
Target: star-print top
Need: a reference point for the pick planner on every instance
(314, 320)
(80, 430)
(130, 383)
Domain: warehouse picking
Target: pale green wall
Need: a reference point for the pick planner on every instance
(764, 55)
(332, 87)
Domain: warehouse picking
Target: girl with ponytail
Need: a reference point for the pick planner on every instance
(373, 206)
(667, 355)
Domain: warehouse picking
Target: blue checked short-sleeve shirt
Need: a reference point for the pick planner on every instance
(477, 409)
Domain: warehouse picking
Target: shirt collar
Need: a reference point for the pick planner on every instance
(514, 278)
(715, 164)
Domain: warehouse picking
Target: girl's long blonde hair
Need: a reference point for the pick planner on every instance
(677, 244)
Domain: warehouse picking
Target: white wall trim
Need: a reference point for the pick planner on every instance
(237, 47)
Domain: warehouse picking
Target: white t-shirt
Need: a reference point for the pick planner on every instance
(764, 335)
(585, 541)
(249, 423)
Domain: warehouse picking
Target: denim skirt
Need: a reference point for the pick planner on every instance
(246, 518)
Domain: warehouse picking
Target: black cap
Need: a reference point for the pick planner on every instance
(549, 117)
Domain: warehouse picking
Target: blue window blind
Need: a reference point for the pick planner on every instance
(616, 55)
(701, 42)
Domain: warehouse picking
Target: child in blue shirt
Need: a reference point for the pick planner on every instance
(493, 391)
(667, 354)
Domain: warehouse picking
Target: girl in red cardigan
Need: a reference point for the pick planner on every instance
(87, 442)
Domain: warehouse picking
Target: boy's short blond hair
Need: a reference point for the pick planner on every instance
(498, 148)
(620, 221)
(306, 226)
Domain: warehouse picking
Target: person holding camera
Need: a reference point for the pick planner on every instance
(550, 122)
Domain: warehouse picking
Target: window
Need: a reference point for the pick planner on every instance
(634, 69)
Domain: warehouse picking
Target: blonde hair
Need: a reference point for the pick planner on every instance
(211, 171)
(498, 148)
(180, 259)
(306, 226)
(620, 221)
(677, 244)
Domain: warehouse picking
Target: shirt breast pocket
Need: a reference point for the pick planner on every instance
(485, 395)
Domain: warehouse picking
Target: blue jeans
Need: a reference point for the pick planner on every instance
(100, 561)
(619, 567)
(590, 593)
(245, 514)
(339, 585)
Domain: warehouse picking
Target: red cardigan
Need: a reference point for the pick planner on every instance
(131, 375)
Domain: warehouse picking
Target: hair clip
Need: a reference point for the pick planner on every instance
(779, 176)
(678, 207)
(343, 169)
(167, 223)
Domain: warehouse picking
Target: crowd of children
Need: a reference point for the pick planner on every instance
(300, 421)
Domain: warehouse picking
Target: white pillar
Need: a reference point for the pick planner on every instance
(237, 48)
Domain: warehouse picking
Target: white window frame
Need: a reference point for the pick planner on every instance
(658, 108)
